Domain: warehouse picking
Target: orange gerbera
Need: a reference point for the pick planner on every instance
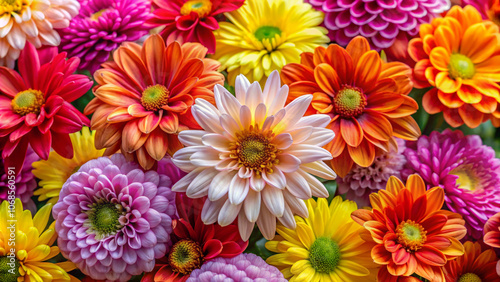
(473, 266)
(459, 55)
(366, 98)
(492, 235)
(412, 233)
(144, 97)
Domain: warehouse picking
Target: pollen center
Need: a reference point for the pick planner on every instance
(411, 235)
(104, 219)
(466, 177)
(201, 7)
(267, 32)
(154, 97)
(185, 256)
(9, 269)
(324, 255)
(28, 101)
(254, 150)
(461, 66)
(349, 102)
(9, 6)
(469, 277)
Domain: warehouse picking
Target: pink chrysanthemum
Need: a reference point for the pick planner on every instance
(385, 23)
(113, 219)
(167, 167)
(466, 169)
(24, 182)
(245, 267)
(102, 26)
(362, 181)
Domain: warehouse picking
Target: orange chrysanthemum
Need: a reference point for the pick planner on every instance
(366, 98)
(144, 97)
(473, 266)
(412, 233)
(492, 235)
(459, 56)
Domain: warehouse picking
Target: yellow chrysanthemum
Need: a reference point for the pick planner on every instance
(54, 171)
(265, 35)
(326, 246)
(33, 246)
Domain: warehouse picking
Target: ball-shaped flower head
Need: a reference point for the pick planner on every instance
(245, 267)
(113, 219)
(365, 97)
(254, 157)
(35, 105)
(144, 97)
(458, 57)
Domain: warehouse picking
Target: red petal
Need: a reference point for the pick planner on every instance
(212, 248)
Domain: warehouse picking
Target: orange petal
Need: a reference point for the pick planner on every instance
(446, 84)
(405, 128)
(384, 102)
(157, 144)
(337, 145)
(148, 123)
(472, 117)
(416, 49)
(341, 62)
(351, 132)
(416, 185)
(478, 44)
(380, 255)
(435, 199)
(469, 95)
(364, 154)
(296, 72)
(431, 102)
(119, 115)
(450, 100)
(445, 37)
(430, 74)
(440, 58)
(319, 55)
(132, 137)
(144, 159)
(169, 123)
(357, 48)
(152, 56)
(361, 216)
(307, 60)
(131, 63)
(484, 86)
(376, 125)
(173, 55)
(452, 117)
(327, 78)
(487, 105)
(490, 65)
(429, 43)
(342, 164)
(368, 70)
(431, 256)
(322, 103)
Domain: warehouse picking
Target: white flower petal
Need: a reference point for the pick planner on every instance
(192, 137)
(279, 101)
(320, 137)
(245, 227)
(309, 153)
(301, 134)
(276, 179)
(282, 141)
(257, 183)
(277, 119)
(245, 116)
(211, 210)
(251, 205)
(206, 157)
(253, 96)
(317, 188)
(228, 213)
(260, 115)
(245, 172)
(287, 219)
(273, 198)
(206, 117)
(220, 185)
(298, 186)
(216, 141)
(297, 206)
(318, 120)
(182, 159)
(288, 163)
(230, 105)
(238, 189)
(268, 123)
(320, 169)
(184, 182)
(294, 111)
(199, 186)
(272, 87)
(241, 87)
(229, 124)
(227, 164)
(266, 223)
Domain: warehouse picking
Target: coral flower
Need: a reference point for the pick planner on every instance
(33, 21)
(265, 35)
(191, 20)
(458, 56)
(492, 235)
(475, 265)
(35, 105)
(54, 171)
(411, 232)
(33, 246)
(144, 97)
(253, 156)
(324, 247)
(194, 243)
(365, 98)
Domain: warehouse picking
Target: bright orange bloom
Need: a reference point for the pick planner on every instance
(492, 234)
(459, 55)
(366, 98)
(412, 233)
(474, 265)
(144, 97)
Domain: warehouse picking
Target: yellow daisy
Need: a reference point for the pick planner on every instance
(265, 35)
(326, 246)
(54, 171)
(25, 258)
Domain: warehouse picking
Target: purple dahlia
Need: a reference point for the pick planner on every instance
(113, 219)
(101, 26)
(360, 182)
(466, 169)
(380, 21)
(25, 182)
(244, 268)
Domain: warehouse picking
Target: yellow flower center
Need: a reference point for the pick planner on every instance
(469, 277)
(185, 256)
(104, 219)
(154, 97)
(28, 101)
(411, 235)
(461, 66)
(349, 102)
(324, 255)
(9, 269)
(201, 7)
(254, 150)
(9, 6)
(266, 32)
(95, 16)
(466, 177)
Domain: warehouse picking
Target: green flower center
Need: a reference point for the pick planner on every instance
(461, 66)
(9, 269)
(267, 32)
(255, 151)
(185, 256)
(28, 101)
(201, 7)
(154, 97)
(466, 177)
(411, 235)
(349, 102)
(104, 219)
(324, 255)
(469, 277)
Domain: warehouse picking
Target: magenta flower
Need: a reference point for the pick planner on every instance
(244, 267)
(466, 169)
(113, 219)
(360, 182)
(24, 183)
(101, 26)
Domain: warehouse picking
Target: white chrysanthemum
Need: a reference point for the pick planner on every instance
(254, 157)
(33, 21)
